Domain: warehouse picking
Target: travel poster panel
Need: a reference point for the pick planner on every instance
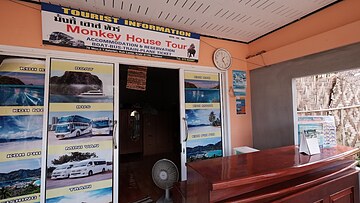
(21, 124)
(203, 116)
(80, 120)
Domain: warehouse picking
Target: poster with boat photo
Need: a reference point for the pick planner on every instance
(202, 88)
(92, 196)
(202, 91)
(20, 180)
(22, 82)
(21, 89)
(80, 82)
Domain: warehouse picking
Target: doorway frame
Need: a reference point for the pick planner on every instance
(49, 53)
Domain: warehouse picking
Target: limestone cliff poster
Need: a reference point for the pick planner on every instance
(80, 119)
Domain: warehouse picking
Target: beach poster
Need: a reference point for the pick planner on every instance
(94, 196)
(203, 116)
(79, 156)
(239, 82)
(21, 124)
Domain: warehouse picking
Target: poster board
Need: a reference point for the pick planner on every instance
(80, 137)
(203, 116)
(21, 124)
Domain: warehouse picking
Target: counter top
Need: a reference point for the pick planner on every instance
(265, 165)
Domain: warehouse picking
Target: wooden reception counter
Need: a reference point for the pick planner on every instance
(275, 175)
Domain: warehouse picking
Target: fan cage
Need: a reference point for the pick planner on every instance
(160, 179)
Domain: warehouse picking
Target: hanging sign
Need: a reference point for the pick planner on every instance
(136, 78)
(69, 27)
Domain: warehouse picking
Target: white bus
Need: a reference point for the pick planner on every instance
(101, 126)
(72, 126)
(62, 171)
(88, 167)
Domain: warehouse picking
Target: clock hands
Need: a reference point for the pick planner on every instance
(222, 59)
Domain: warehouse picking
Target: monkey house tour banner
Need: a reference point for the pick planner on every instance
(69, 27)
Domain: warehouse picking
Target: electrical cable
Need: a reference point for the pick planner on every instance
(243, 60)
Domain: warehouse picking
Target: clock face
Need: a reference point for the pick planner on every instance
(222, 59)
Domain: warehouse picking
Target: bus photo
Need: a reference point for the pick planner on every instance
(64, 39)
(72, 126)
(101, 126)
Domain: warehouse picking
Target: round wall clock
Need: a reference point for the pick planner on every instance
(222, 59)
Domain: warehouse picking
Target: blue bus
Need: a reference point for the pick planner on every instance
(72, 126)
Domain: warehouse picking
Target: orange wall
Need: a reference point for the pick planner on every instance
(332, 27)
(21, 26)
(335, 26)
(241, 126)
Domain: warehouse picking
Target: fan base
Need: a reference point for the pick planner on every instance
(164, 200)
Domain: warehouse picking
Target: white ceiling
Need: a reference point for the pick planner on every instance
(240, 20)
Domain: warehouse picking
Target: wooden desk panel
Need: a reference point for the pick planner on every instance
(299, 189)
(239, 176)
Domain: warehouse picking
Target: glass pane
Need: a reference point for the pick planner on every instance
(203, 116)
(21, 124)
(80, 147)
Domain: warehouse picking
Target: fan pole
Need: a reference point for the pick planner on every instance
(167, 194)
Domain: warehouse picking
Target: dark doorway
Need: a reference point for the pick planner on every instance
(149, 129)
